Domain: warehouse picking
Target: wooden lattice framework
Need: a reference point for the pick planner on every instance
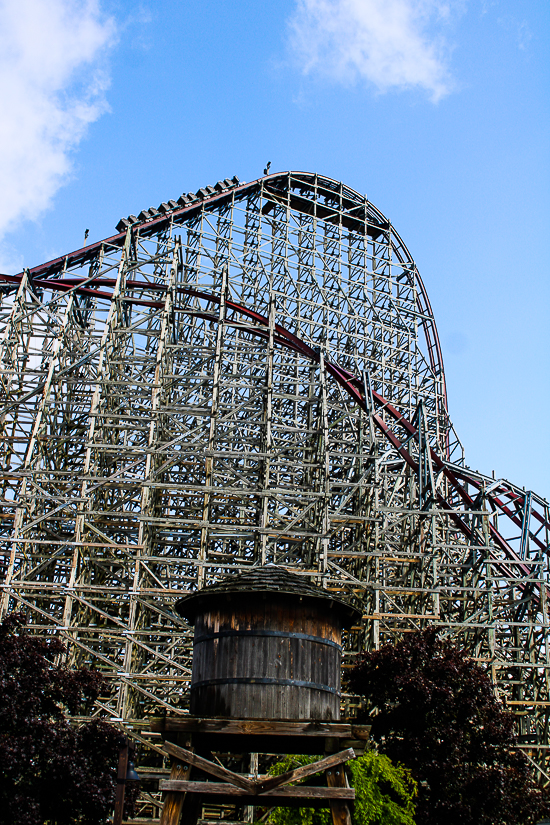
(251, 374)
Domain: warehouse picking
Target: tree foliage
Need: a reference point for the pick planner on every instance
(384, 793)
(435, 711)
(50, 771)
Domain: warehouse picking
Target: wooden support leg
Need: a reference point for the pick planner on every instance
(336, 778)
(250, 810)
(173, 802)
(121, 783)
(192, 808)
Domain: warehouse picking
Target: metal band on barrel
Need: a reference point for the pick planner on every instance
(280, 633)
(252, 680)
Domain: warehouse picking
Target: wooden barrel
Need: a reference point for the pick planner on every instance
(266, 645)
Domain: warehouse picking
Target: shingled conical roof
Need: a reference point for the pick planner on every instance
(269, 578)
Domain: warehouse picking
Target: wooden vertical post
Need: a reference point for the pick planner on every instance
(121, 783)
(173, 802)
(336, 778)
(251, 809)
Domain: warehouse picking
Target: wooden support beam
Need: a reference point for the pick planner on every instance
(273, 797)
(338, 781)
(258, 727)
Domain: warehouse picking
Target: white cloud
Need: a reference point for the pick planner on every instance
(389, 43)
(52, 86)
(11, 259)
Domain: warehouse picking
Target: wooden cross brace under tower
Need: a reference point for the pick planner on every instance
(185, 796)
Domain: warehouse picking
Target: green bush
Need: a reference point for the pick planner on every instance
(384, 793)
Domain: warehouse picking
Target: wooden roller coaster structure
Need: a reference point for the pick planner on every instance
(251, 374)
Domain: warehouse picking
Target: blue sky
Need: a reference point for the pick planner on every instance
(437, 109)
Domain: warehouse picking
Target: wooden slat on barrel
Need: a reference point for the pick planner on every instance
(259, 641)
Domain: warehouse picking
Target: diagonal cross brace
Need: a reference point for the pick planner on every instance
(260, 786)
(306, 770)
(210, 767)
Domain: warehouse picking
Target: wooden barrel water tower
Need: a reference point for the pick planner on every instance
(267, 645)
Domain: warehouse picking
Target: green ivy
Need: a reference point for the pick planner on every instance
(384, 793)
